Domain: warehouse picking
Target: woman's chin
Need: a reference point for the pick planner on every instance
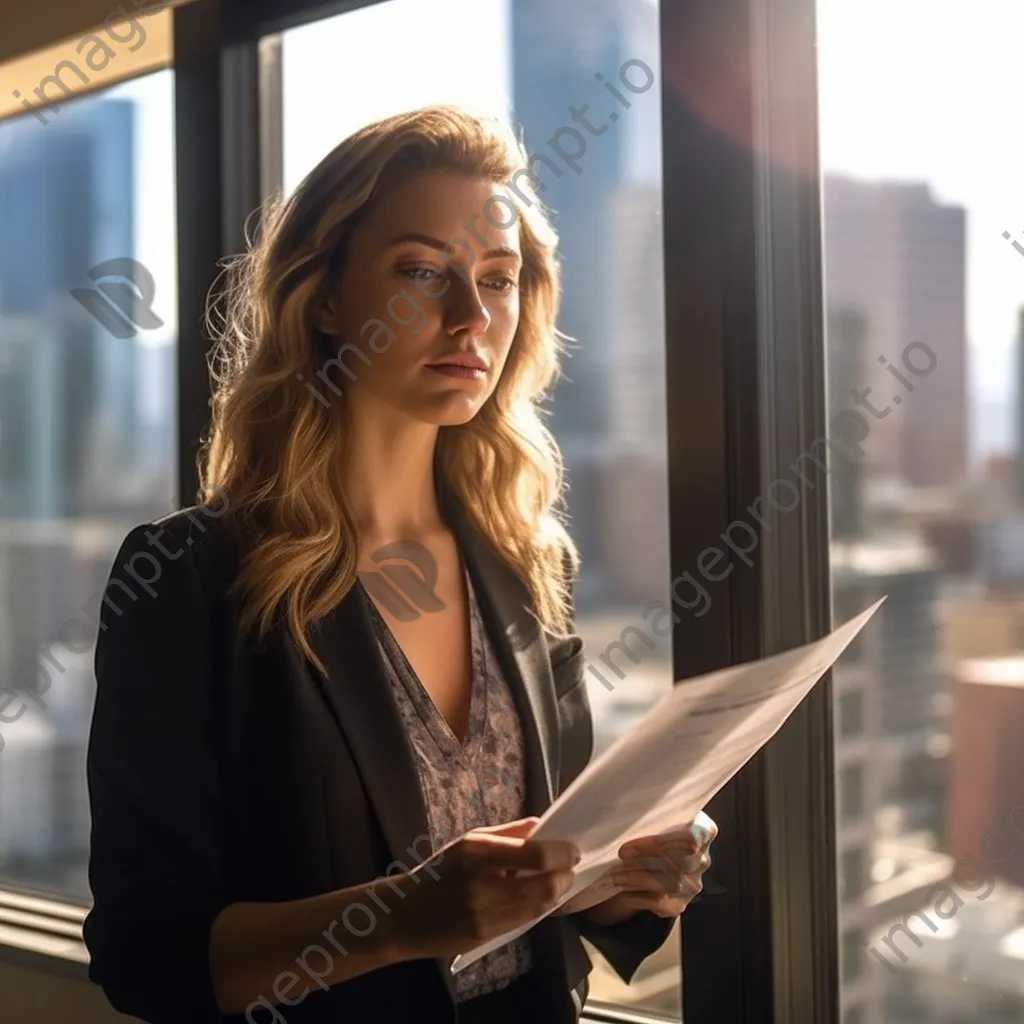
(451, 410)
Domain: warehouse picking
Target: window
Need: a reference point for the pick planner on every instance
(609, 417)
(924, 271)
(852, 952)
(851, 714)
(851, 793)
(851, 874)
(87, 434)
(848, 599)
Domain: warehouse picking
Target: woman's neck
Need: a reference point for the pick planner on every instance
(388, 477)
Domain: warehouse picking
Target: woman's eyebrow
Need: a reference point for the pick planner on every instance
(437, 243)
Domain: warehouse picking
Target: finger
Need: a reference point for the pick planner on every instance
(705, 836)
(501, 853)
(657, 846)
(696, 836)
(662, 905)
(690, 864)
(679, 863)
(536, 891)
(521, 827)
(707, 825)
(647, 881)
(661, 882)
(658, 882)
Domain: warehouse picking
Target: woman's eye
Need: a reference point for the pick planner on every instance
(422, 273)
(500, 284)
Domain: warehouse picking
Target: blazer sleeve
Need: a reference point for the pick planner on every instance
(156, 865)
(626, 945)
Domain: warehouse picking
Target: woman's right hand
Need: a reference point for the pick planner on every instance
(479, 886)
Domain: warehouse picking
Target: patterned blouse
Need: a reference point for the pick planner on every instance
(480, 781)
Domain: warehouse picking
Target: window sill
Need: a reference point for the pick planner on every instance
(42, 934)
(608, 1013)
(45, 935)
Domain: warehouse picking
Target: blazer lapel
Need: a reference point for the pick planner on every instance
(357, 692)
(523, 654)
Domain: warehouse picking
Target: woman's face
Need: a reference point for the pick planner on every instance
(433, 327)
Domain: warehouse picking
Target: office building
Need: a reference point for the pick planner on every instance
(67, 196)
(986, 774)
(589, 207)
(897, 255)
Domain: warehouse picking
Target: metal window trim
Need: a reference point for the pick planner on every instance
(42, 932)
(746, 396)
(598, 1012)
(217, 147)
(250, 20)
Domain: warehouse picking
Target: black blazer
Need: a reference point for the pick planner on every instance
(220, 771)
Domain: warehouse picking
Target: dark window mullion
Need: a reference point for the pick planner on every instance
(248, 20)
(745, 397)
(714, 460)
(800, 770)
(218, 172)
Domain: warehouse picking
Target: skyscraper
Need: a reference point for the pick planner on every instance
(898, 255)
(845, 341)
(563, 56)
(69, 438)
(67, 387)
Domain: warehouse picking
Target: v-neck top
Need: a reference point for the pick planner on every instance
(479, 781)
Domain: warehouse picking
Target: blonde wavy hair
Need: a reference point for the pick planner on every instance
(272, 443)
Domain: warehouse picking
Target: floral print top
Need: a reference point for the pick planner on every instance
(480, 781)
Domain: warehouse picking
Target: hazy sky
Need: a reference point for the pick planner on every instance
(912, 90)
(929, 90)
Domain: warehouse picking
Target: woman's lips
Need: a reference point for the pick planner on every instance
(453, 370)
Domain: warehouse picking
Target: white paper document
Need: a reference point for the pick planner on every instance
(660, 774)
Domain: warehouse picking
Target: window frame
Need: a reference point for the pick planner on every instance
(745, 383)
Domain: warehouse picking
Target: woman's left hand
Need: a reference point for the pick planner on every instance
(660, 873)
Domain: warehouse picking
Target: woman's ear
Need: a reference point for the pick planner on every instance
(324, 318)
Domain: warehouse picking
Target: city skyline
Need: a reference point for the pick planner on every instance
(863, 136)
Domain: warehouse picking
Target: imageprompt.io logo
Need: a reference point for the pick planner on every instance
(122, 300)
(401, 589)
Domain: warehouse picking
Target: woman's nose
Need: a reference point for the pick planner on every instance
(467, 312)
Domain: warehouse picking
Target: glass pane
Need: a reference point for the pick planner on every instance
(851, 713)
(583, 82)
(87, 434)
(924, 271)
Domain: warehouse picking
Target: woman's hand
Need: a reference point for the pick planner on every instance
(660, 873)
(486, 883)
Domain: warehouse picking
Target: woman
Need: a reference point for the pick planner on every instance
(326, 727)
